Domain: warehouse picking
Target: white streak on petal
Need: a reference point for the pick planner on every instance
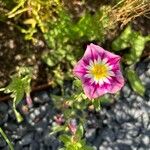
(104, 61)
(88, 67)
(110, 67)
(96, 81)
(91, 63)
(106, 80)
(111, 73)
(92, 81)
(108, 77)
(88, 75)
(100, 82)
(95, 61)
(99, 60)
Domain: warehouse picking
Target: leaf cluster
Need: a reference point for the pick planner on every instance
(19, 85)
(65, 38)
(135, 42)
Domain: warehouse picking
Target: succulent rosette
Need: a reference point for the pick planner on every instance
(100, 72)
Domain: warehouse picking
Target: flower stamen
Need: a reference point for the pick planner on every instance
(99, 71)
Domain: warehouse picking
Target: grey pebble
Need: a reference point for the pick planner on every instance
(90, 134)
(27, 139)
(10, 126)
(37, 112)
(126, 91)
(122, 146)
(3, 107)
(41, 97)
(34, 145)
(146, 140)
(148, 73)
(2, 142)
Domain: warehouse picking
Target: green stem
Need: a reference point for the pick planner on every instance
(6, 139)
(17, 114)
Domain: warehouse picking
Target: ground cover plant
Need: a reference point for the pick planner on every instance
(84, 54)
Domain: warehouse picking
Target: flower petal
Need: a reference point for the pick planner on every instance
(79, 69)
(93, 92)
(118, 83)
(93, 51)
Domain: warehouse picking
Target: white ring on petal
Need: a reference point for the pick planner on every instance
(106, 80)
(111, 73)
(104, 61)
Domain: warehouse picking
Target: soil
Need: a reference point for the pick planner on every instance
(15, 52)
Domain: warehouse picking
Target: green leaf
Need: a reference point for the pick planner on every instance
(122, 41)
(135, 82)
(137, 46)
(80, 131)
(19, 85)
(65, 138)
(105, 100)
(57, 128)
(97, 105)
(132, 40)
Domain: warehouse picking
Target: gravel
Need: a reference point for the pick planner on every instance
(125, 125)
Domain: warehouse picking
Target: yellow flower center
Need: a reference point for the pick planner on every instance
(99, 71)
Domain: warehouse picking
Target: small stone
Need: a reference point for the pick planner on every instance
(145, 119)
(148, 66)
(139, 99)
(6, 148)
(37, 112)
(15, 136)
(3, 118)
(41, 97)
(147, 81)
(148, 73)
(10, 126)
(108, 135)
(122, 146)
(27, 139)
(146, 140)
(133, 97)
(11, 44)
(120, 134)
(21, 130)
(126, 91)
(125, 141)
(32, 116)
(90, 134)
(42, 146)
(34, 145)
(39, 129)
(25, 148)
(3, 107)
(142, 78)
(2, 142)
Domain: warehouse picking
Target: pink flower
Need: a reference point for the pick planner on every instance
(29, 100)
(72, 126)
(99, 70)
(59, 119)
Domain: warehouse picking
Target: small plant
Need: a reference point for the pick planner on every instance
(66, 37)
(19, 86)
(37, 12)
(99, 72)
